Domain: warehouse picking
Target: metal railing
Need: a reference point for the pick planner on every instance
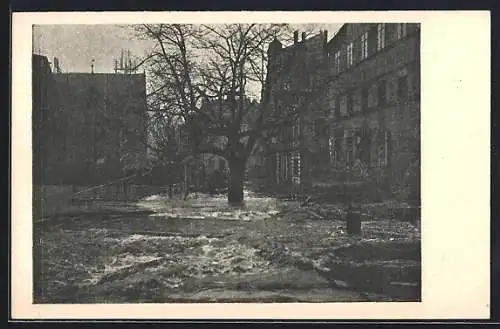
(105, 192)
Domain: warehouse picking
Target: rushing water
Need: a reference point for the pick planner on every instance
(198, 250)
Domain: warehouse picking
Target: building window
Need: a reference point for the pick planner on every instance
(403, 88)
(335, 150)
(384, 148)
(381, 154)
(364, 146)
(349, 148)
(401, 30)
(364, 98)
(332, 104)
(387, 140)
(350, 103)
(391, 91)
(364, 45)
(297, 128)
(380, 36)
(357, 101)
(382, 92)
(331, 146)
(320, 128)
(414, 80)
(343, 106)
(337, 108)
(349, 55)
(311, 80)
(278, 166)
(337, 61)
(372, 96)
(295, 167)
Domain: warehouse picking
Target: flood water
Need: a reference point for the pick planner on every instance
(198, 250)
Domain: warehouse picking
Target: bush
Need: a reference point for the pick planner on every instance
(407, 187)
(216, 180)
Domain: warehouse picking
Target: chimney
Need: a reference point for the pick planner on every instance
(295, 37)
(56, 65)
(303, 36)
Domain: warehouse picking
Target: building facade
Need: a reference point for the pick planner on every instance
(366, 119)
(375, 100)
(294, 95)
(95, 128)
(45, 105)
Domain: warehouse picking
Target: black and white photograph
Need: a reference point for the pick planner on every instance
(268, 166)
(226, 163)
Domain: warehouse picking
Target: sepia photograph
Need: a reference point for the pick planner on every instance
(226, 163)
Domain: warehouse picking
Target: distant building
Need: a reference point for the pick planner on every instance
(45, 107)
(365, 112)
(95, 127)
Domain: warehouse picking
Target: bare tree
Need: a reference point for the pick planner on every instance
(166, 148)
(204, 75)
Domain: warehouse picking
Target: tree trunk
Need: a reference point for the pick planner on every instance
(125, 191)
(236, 177)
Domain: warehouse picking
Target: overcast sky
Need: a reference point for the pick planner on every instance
(76, 45)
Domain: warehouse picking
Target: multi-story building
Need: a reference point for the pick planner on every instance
(367, 107)
(293, 94)
(95, 128)
(374, 96)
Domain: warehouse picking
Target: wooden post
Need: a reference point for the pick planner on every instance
(125, 187)
(185, 181)
(353, 221)
(353, 218)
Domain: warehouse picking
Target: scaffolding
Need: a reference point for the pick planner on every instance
(126, 64)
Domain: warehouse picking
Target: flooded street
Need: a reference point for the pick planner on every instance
(200, 250)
